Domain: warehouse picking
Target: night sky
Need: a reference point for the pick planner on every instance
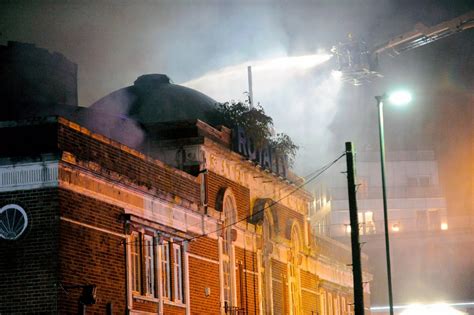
(114, 42)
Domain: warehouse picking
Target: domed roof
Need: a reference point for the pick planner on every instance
(153, 99)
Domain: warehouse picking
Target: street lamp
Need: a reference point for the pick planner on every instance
(396, 98)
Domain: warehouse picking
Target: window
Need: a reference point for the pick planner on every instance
(366, 223)
(323, 302)
(178, 273)
(227, 253)
(369, 222)
(135, 245)
(321, 226)
(165, 270)
(293, 271)
(428, 220)
(266, 261)
(142, 264)
(424, 181)
(337, 306)
(434, 220)
(363, 186)
(421, 220)
(145, 257)
(412, 181)
(330, 301)
(350, 309)
(421, 180)
(148, 251)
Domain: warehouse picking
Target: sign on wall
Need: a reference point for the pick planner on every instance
(266, 156)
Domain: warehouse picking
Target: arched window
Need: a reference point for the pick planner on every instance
(266, 260)
(227, 252)
(293, 270)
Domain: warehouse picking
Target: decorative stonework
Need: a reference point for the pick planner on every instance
(261, 183)
(28, 176)
(13, 222)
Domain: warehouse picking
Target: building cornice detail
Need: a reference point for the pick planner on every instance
(26, 176)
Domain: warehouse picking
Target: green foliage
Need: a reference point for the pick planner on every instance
(283, 145)
(258, 126)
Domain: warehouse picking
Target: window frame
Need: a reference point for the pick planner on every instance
(165, 261)
(135, 260)
(294, 281)
(227, 252)
(149, 287)
(157, 268)
(141, 255)
(178, 283)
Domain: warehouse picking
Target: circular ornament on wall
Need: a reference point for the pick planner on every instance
(13, 222)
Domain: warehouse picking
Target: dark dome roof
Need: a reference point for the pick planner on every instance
(153, 99)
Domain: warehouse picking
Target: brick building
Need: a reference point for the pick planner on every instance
(141, 204)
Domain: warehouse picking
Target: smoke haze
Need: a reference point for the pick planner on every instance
(114, 42)
(299, 92)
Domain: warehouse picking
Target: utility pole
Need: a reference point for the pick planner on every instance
(356, 263)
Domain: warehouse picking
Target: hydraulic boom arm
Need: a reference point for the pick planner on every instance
(423, 35)
(359, 64)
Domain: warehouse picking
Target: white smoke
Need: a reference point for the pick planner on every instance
(299, 93)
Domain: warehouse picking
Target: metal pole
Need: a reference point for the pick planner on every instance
(249, 72)
(356, 263)
(380, 100)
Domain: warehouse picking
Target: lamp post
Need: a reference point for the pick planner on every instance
(397, 98)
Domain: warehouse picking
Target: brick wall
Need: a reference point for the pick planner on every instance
(170, 309)
(56, 135)
(28, 266)
(204, 274)
(144, 306)
(126, 162)
(205, 247)
(285, 217)
(242, 194)
(90, 256)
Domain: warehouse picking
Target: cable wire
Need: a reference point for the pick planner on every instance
(322, 170)
(316, 173)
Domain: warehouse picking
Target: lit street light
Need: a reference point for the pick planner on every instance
(396, 98)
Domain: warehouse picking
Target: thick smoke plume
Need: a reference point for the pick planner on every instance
(299, 93)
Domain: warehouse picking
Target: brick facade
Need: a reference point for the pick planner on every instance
(28, 266)
(81, 229)
(87, 255)
(204, 277)
(130, 165)
(215, 184)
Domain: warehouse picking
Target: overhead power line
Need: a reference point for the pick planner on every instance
(312, 176)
